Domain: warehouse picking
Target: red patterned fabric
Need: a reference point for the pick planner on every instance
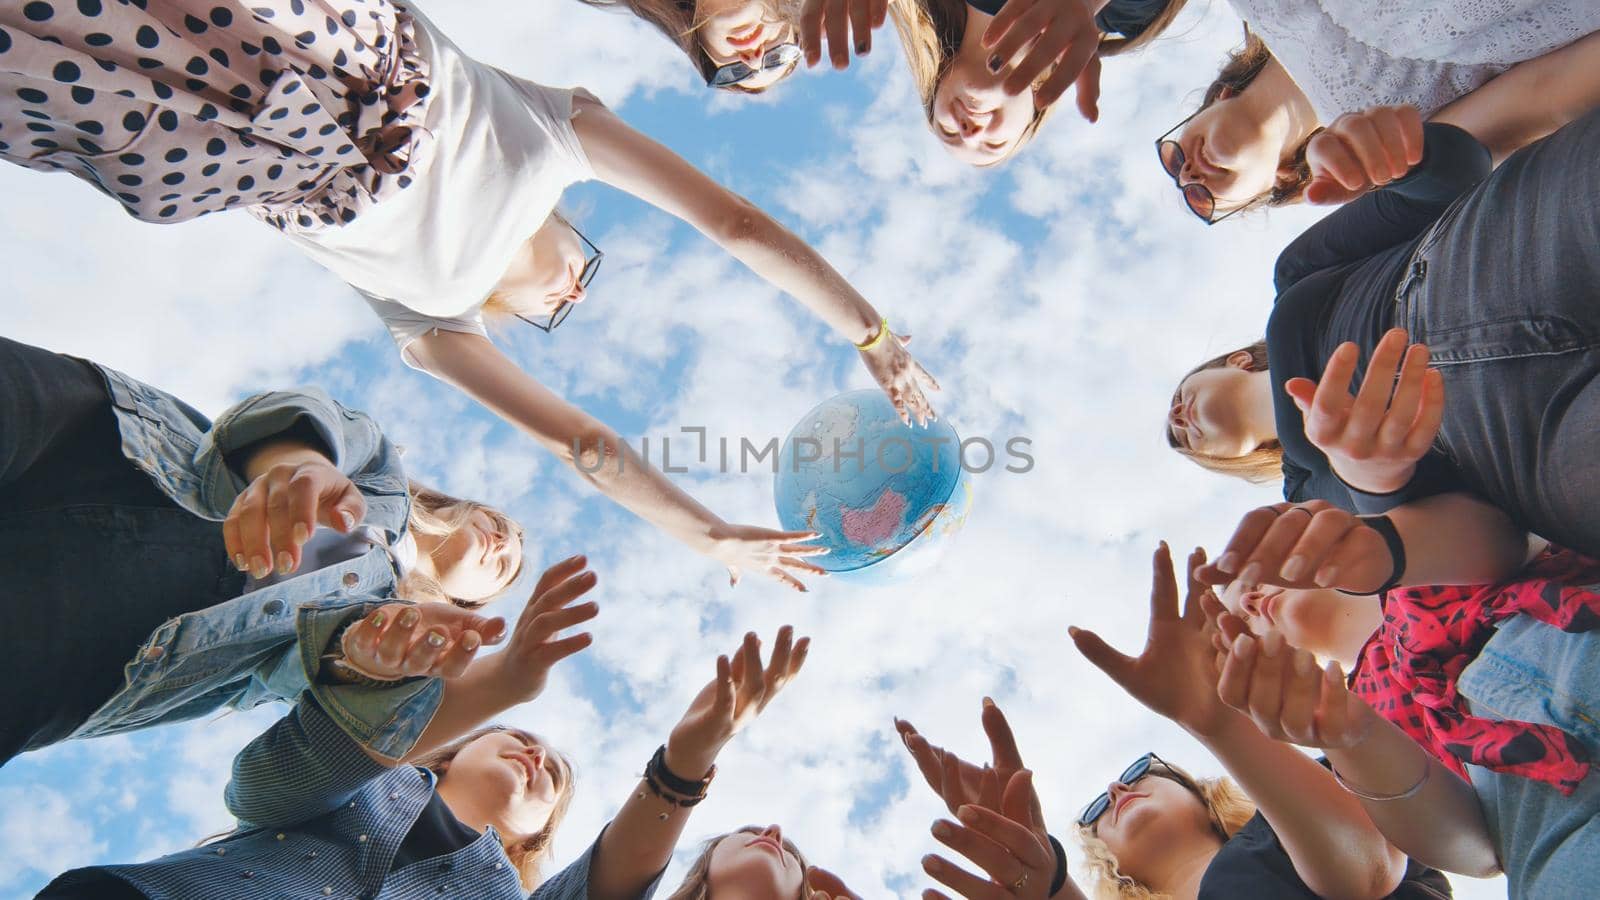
(1408, 669)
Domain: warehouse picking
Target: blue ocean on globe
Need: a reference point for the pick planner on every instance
(884, 496)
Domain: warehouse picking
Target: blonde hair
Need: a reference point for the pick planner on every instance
(528, 854)
(440, 515)
(1227, 806)
(931, 32)
(1262, 464)
(697, 883)
(676, 19)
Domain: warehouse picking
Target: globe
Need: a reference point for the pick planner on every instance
(884, 496)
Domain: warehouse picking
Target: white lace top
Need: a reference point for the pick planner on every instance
(1348, 55)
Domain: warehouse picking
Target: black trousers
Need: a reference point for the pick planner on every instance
(93, 556)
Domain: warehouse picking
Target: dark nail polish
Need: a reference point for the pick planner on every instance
(862, 49)
(994, 63)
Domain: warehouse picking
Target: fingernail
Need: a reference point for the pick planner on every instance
(1327, 576)
(989, 701)
(1251, 574)
(259, 567)
(1244, 647)
(1304, 663)
(469, 641)
(408, 618)
(861, 49)
(348, 518)
(435, 639)
(300, 533)
(239, 562)
(285, 562)
(1228, 562)
(1072, 631)
(943, 829)
(967, 815)
(994, 63)
(1293, 567)
(378, 618)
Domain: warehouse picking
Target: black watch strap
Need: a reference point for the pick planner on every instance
(1060, 879)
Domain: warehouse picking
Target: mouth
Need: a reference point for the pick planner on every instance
(1122, 803)
(770, 843)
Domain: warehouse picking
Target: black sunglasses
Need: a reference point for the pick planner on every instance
(591, 265)
(1140, 768)
(1197, 196)
(733, 73)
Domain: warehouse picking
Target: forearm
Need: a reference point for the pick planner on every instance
(788, 263)
(475, 366)
(471, 699)
(639, 842)
(1458, 539)
(1335, 847)
(1531, 99)
(1442, 824)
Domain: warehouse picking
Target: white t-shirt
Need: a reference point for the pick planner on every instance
(1349, 55)
(503, 151)
(327, 547)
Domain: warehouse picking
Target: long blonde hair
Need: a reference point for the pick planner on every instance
(438, 514)
(676, 19)
(1262, 464)
(528, 854)
(697, 883)
(931, 32)
(1227, 806)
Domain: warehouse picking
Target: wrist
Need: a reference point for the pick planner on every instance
(1374, 479)
(876, 335)
(692, 763)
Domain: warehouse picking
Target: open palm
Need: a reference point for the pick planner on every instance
(1176, 674)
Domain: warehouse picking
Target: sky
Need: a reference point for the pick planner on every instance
(1058, 298)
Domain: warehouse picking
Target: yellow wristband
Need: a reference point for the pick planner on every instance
(875, 340)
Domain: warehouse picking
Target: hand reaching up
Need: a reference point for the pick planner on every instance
(901, 377)
(956, 781)
(1374, 438)
(297, 490)
(777, 554)
(1176, 674)
(522, 668)
(1289, 696)
(732, 700)
(822, 884)
(403, 640)
(1011, 850)
(1032, 37)
(837, 20)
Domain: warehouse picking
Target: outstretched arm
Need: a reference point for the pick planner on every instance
(626, 159)
(1531, 99)
(477, 367)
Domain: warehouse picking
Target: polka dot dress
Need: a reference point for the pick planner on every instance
(303, 111)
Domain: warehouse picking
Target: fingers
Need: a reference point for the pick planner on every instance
(1002, 743)
(962, 882)
(557, 596)
(1026, 30)
(784, 578)
(1266, 560)
(1251, 529)
(1410, 128)
(777, 673)
(1163, 586)
(810, 25)
(291, 515)
(1116, 665)
(1266, 685)
(1006, 828)
(752, 683)
(454, 660)
(1088, 90)
(989, 789)
(861, 13)
(793, 563)
(560, 572)
(342, 509)
(1316, 545)
(1332, 400)
(1195, 589)
(1301, 692)
(397, 638)
(1372, 400)
(1068, 46)
(1325, 191)
(722, 704)
(836, 23)
(1233, 685)
(923, 753)
(1430, 415)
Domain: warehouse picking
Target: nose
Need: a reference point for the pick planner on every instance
(1250, 602)
(750, 56)
(577, 293)
(536, 755)
(774, 832)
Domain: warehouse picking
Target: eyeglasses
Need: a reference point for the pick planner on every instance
(591, 265)
(1197, 196)
(1140, 768)
(733, 73)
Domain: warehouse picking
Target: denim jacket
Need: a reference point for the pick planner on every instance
(264, 645)
(319, 818)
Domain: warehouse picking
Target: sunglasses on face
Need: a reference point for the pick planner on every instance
(591, 265)
(738, 72)
(1196, 196)
(1140, 768)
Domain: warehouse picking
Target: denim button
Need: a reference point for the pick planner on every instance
(222, 851)
(155, 653)
(272, 607)
(351, 579)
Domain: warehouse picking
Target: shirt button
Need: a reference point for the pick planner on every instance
(272, 607)
(327, 891)
(351, 579)
(499, 865)
(311, 855)
(352, 804)
(247, 874)
(362, 839)
(395, 796)
(280, 835)
(222, 851)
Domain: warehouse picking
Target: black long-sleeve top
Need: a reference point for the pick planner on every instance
(1128, 18)
(1339, 282)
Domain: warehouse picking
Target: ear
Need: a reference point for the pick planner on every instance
(1227, 93)
(1241, 359)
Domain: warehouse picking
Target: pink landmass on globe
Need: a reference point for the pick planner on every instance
(881, 520)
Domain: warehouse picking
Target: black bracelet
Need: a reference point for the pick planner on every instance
(1397, 551)
(676, 783)
(1060, 878)
(667, 794)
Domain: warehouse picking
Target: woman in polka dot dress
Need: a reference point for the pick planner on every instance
(425, 179)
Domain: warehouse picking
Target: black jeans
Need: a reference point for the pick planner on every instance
(1505, 291)
(93, 557)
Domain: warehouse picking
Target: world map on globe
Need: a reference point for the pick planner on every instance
(881, 494)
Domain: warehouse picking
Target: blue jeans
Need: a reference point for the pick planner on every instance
(93, 557)
(1529, 671)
